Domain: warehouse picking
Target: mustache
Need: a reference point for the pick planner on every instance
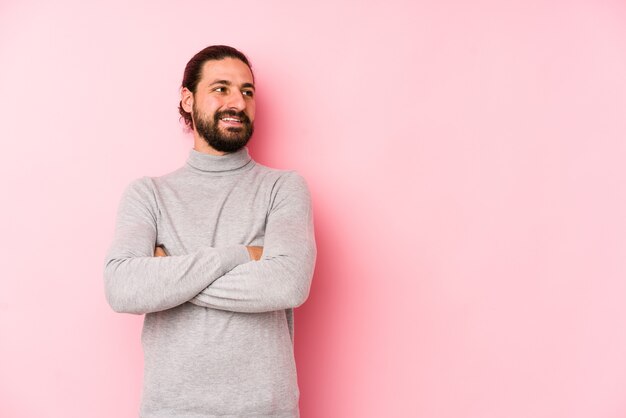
(242, 116)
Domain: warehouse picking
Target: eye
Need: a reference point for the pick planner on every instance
(249, 93)
(220, 89)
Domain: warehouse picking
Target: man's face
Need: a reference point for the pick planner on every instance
(223, 104)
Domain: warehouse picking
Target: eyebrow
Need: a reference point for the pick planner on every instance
(228, 83)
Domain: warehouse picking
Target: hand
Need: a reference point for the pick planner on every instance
(159, 252)
(255, 252)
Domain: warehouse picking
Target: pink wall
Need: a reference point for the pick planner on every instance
(467, 164)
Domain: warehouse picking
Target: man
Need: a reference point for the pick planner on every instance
(215, 254)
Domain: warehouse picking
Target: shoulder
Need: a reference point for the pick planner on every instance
(294, 181)
(290, 187)
(149, 185)
(281, 177)
(141, 185)
(140, 191)
(172, 177)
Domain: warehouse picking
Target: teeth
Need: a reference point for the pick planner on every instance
(231, 119)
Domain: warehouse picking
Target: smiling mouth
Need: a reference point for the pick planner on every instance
(230, 119)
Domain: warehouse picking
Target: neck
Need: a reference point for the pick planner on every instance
(229, 163)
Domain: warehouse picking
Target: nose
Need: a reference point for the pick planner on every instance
(236, 101)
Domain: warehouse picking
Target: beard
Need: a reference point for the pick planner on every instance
(229, 140)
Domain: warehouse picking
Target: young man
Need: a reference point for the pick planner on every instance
(216, 255)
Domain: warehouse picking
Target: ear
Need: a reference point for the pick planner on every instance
(186, 99)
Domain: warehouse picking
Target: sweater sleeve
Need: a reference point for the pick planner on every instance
(281, 279)
(136, 281)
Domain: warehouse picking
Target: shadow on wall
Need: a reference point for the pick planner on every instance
(317, 328)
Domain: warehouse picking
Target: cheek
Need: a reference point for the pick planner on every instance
(209, 106)
(250, 111)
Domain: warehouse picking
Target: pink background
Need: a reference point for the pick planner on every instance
(467, 163)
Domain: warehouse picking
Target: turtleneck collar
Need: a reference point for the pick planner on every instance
(220, 164)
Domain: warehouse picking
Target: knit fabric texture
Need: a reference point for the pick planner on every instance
(218, 329)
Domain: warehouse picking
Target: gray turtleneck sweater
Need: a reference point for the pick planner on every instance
(218, 329)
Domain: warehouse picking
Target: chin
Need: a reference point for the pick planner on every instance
(231, 131)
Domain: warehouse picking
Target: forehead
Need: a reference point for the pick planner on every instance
(230, 69)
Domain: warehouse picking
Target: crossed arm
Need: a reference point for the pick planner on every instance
(236, 278)
(254, 251)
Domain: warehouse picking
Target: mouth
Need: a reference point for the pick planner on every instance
(232, 122)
